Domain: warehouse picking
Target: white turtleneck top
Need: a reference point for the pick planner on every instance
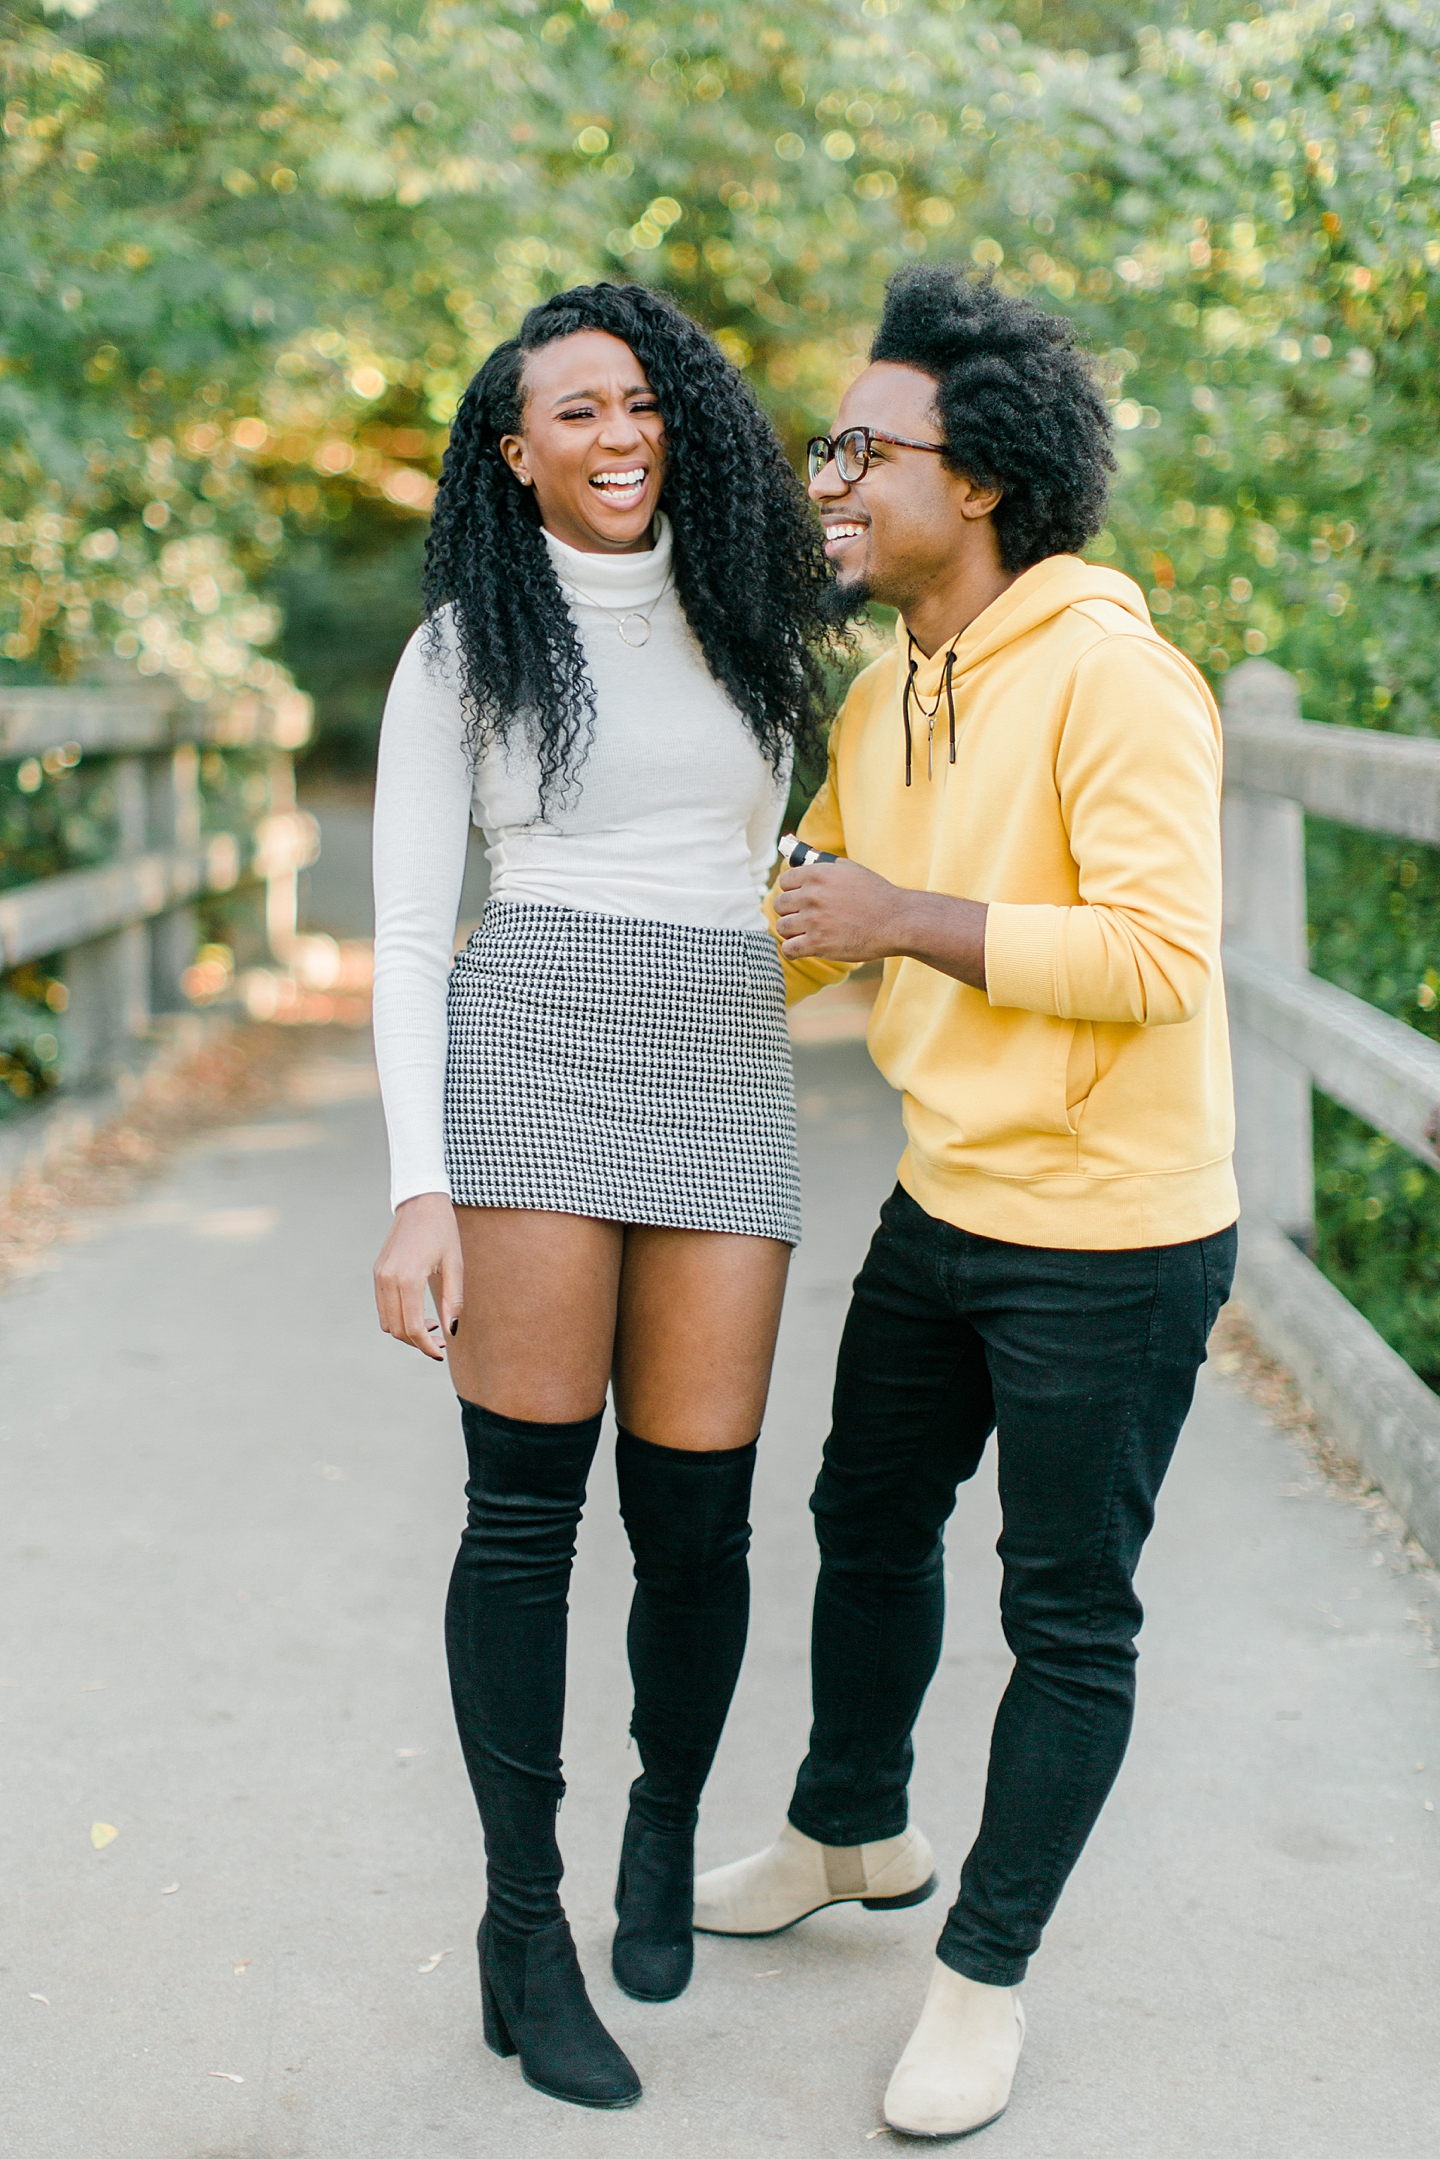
(674, 819)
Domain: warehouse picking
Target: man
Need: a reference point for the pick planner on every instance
(1024, 798)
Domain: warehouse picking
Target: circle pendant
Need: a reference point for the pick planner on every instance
(634, 630)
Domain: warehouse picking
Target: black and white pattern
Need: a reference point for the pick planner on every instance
(630, 1070)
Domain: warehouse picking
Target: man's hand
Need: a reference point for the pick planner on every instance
(839, 911)
(423, 1248)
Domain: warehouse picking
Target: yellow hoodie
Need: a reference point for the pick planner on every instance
(1084, 1099)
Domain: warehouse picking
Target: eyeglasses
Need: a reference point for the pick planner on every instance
(851, 451)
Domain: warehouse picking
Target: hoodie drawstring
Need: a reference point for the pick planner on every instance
(905, 714)
(930, 715)
(950, 697)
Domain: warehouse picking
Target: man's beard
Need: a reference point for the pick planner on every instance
(844, 604)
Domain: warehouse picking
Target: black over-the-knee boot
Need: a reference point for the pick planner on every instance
(505, 1635)
(688, 1519)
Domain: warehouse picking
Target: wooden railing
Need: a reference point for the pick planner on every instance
(122, 935)
(1290, 1032)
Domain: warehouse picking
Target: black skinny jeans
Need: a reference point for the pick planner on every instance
(1085, 1364)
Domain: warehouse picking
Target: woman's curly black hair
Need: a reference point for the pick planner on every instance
(749, 564)
(1018, 404)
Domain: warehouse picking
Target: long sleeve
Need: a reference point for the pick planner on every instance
(422, 819)
(1138, 772)
(762, 828)
(823, 828)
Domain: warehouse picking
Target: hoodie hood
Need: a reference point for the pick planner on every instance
(1044, 590)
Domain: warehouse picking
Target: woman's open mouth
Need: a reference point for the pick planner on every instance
(621, 489)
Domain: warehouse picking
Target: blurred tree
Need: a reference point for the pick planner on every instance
(1282, 481)
(250, 255)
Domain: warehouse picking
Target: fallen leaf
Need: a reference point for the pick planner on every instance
(171, 1890)
(435, 1960)
(41, 1998)
(228, 2074)
(103, 1833)
(242, 1967)
(240, 1223)
(871, 2134)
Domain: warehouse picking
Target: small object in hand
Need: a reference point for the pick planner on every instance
(798, 852)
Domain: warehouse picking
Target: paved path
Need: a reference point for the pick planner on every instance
(229, 1510)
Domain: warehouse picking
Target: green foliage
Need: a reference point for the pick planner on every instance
(29, 1038)
(124, 520)
(250, 257)
(1257, 245)
(1375, 930)
(1377, 1213)
(53, 817)
(350, 597)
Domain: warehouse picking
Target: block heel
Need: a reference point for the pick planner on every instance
(534, 2004)
(903, 1903)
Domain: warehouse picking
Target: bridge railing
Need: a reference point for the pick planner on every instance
(121, 935)
(1290, 1032)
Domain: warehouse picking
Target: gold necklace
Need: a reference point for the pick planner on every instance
(622, 617)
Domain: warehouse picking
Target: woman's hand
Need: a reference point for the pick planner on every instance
(423, 1247)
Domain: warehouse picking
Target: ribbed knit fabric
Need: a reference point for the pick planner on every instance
(505, 1636)
(687, 1516)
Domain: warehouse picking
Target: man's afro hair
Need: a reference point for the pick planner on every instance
(1017, 402)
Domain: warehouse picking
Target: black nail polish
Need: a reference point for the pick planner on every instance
(454, 1326)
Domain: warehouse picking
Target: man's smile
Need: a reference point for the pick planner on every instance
(839, 532)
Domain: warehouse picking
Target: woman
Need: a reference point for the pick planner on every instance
(593, 1159)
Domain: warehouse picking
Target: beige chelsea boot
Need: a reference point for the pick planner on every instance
(955, 2074)
(795, 1876)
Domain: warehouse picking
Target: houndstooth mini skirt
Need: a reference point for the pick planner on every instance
(629, 1070)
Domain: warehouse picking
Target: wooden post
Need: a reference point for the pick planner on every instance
(1264, 850)
(174, 824)
(108, 979)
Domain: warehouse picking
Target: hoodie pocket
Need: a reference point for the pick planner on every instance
(1081, 1071)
